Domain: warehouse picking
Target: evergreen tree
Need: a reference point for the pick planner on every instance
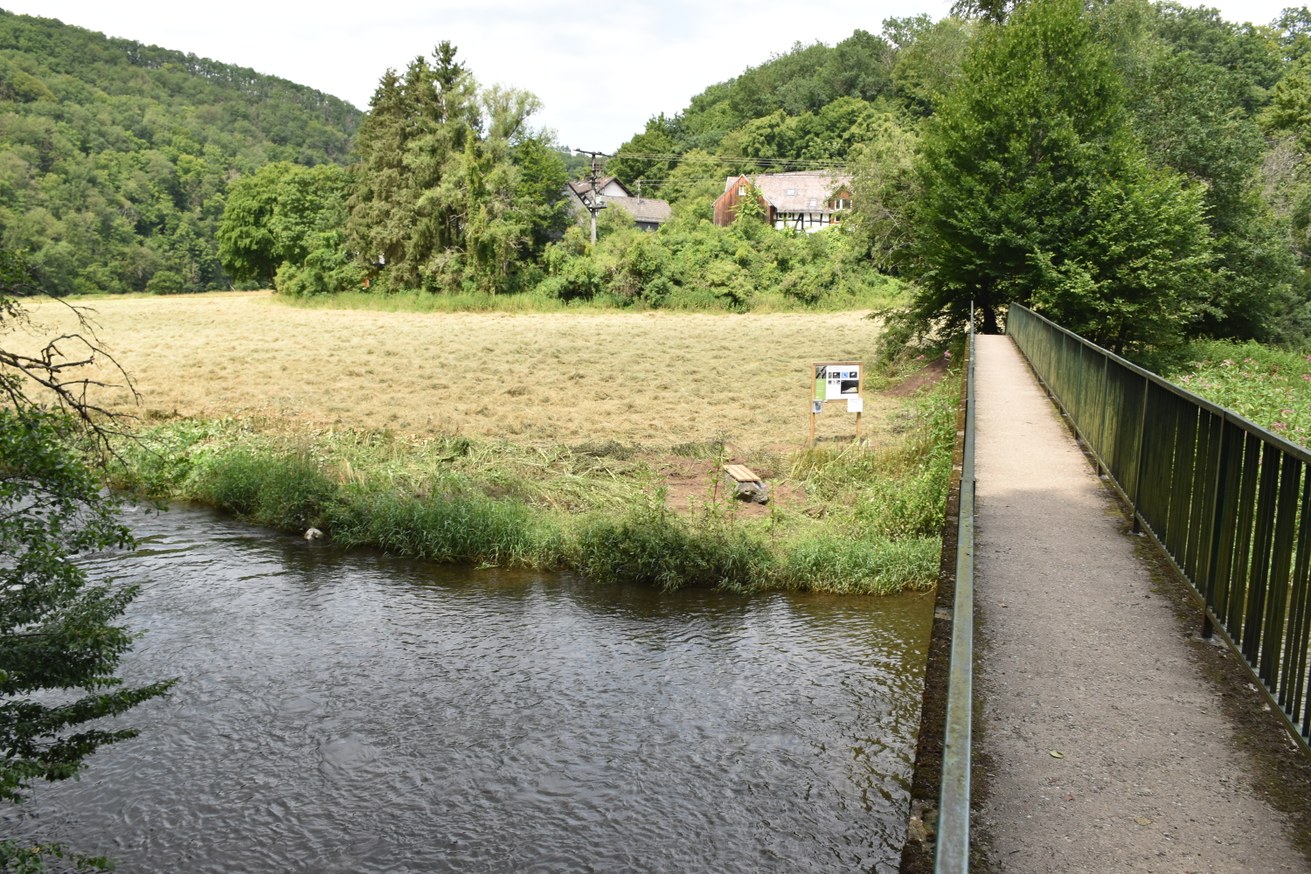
(452, 189)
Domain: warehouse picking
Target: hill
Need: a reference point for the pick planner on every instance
(115, 156)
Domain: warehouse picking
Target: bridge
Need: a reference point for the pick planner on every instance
(1123, 632)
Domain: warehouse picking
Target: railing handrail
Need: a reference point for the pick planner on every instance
(1227, 501)
(1286, 445)
(952, 853)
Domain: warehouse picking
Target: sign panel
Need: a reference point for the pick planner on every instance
(837, 382)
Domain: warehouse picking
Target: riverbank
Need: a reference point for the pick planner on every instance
(843, 517)
(593, 441)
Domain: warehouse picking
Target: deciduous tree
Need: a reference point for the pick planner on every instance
(1034, 190)
(61, 636)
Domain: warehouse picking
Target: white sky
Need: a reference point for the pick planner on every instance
(600, 68)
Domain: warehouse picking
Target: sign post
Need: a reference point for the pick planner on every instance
(836, 381)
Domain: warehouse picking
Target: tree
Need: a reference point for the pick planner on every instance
(883, 171)
(275, 219)
(1034, 188)
(450, 190)
(647, 157)
(60, 635)
(1189, 109)
(929, 58)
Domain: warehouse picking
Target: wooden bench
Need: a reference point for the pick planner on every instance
(747, 485)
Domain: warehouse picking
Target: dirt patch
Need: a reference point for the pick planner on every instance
(930, 375)
(692, 484)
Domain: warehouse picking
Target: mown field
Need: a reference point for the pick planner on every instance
(592, 440)
(656, 379)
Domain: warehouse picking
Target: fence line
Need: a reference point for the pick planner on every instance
(1228, 501)
(952, 853)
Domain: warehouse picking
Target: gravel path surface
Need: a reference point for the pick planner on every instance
(1101, 744)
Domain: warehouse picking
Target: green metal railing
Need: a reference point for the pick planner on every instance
(952, 853)
(1229, 502)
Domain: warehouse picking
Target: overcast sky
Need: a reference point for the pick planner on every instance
(600, 68)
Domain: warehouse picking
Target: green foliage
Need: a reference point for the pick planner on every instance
(115, 157)
(18, 858)
(278, 490)
(283, 226)
(452, 190)
(693, 264)
(58, 632)
(929, 61)
(61, 635)
(470, 529)
(1271, 387)
(1190, 98)
(1035, 190)
(654, 547)
(873, 566)
(883, 172)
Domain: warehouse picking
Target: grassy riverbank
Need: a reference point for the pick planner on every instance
(1270, 386)
(843, 518)
(590, 441)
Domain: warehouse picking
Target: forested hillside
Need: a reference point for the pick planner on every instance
(115, 157)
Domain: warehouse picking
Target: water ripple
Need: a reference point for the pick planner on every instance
(358, 713)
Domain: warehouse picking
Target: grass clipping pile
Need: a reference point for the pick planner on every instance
(591, 441)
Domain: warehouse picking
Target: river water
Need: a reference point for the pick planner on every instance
(353, 712)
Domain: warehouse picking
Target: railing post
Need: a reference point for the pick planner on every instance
(1217, 520)
(1136, 500)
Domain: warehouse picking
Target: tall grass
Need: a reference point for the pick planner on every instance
(653, 546)
(858, 519)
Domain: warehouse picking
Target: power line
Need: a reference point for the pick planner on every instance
(815, 163)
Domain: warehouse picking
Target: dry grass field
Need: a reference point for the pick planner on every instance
(650, 379)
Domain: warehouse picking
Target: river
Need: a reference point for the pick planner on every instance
(354, 712)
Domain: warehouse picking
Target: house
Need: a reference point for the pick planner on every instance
(801, 201)
(648, 213)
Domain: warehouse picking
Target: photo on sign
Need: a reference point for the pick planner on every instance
(836, 381)
(816, 407)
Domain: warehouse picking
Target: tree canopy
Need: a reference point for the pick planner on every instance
(1036, 190)
(452, 188)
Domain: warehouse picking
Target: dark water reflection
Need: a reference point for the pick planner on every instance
(359, 713)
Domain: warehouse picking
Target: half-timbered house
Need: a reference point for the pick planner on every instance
(800, 201)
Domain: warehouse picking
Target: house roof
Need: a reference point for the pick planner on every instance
(582, 186)
(643, 209)
(800, 191)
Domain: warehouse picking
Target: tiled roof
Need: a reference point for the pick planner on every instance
(642, 209)
(799, 191)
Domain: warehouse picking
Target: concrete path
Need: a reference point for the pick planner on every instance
(1100, 745)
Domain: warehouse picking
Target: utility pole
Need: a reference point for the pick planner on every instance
(594, 202)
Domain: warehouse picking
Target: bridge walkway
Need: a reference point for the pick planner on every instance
(1102, 740)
